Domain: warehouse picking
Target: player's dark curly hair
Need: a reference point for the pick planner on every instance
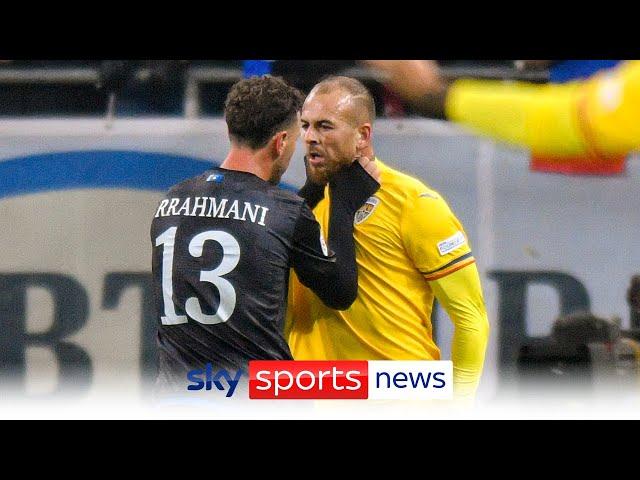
(258, 107)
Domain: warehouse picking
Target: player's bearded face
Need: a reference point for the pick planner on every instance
(329, 136)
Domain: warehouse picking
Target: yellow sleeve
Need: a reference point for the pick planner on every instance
(438, 246)
(540, 117)
(599, 116)
(460, 294)
(432, 235)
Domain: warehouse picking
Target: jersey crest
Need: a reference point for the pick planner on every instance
(366, 210)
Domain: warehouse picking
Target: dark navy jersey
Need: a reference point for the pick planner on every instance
(223, 243)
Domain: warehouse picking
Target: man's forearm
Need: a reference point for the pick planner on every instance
(543, 118)
(461, 296)
(349, 189)
(468, 350)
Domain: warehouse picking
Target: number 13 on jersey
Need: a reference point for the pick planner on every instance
(230, 259)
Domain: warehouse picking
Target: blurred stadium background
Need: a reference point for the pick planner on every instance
(88, 147)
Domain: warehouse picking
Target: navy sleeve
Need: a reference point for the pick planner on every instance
(333, 274)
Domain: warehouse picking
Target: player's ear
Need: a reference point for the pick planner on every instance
(280, 140)
(364, 136)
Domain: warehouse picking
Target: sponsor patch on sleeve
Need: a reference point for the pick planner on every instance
(451, 243)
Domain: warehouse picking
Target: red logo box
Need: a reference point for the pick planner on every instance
(307, 380)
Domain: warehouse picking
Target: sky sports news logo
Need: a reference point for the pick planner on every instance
(358, 380)
(329, 379)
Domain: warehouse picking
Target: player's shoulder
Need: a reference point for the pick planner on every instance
(190, 184)
(410, 187)
(396, 179)
(286, 195)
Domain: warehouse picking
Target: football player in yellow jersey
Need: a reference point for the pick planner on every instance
(594, 118)
(410, 249)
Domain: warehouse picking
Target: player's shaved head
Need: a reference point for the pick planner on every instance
(357, 98)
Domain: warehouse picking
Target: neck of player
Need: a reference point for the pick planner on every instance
(245, 159)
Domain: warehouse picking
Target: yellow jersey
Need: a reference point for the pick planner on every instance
(406, 236)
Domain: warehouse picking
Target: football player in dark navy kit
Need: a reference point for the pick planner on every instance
(224, 241)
